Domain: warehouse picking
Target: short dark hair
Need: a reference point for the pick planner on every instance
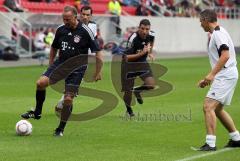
(87, 8)
(208, 15)
(72, 9)
(145, 22)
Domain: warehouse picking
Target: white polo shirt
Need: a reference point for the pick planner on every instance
(221, 40)
(93, 26)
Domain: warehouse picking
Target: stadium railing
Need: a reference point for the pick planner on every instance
(227, 12)
(23, 39)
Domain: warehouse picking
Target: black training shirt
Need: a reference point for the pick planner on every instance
(135, 43)
(73, 42)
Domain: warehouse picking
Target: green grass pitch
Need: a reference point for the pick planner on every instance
(112, 137)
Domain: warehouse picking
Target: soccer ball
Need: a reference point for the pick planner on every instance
(23, 128)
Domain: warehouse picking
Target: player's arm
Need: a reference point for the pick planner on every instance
(99, 65)
(151, 47)
(136, 56)
(152, 40)
(139, 54)
(220, 64)
(99, 58)
(150, 54)
(54, 47)
(52, 55)
(94, 46)
(221, 42)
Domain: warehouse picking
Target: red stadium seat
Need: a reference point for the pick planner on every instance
(40, 7)
(130, 10)
(2, 9)
(99, 6)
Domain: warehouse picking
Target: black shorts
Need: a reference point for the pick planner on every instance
(129, 74)
(71, 75)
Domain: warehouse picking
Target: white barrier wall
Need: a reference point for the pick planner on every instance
(5, 27)
(179, 35)
(173, 35)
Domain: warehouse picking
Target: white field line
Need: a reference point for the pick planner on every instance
(206, 154)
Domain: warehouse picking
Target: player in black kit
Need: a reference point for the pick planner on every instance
(72, 42)
(134, 64)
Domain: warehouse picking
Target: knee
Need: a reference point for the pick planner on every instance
(206, 108)
(68, 100)
(151, 86)
(41, 84)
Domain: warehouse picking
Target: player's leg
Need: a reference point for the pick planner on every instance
(225, 119)
(127, 97)
(59, 106)
(210, 121)
(42, 83)
(228, 123)
(127, 87)
(72, 83)
(65, 113)
(149, 83)
(147, 78)
(209, 114)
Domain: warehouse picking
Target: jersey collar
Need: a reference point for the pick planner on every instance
(217, 28)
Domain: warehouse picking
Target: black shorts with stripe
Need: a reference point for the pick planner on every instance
(72, 75)
(131, 70)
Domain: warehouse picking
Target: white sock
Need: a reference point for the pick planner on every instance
(211, 140)
(235, 136)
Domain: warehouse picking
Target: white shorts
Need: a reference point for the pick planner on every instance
(222, 90)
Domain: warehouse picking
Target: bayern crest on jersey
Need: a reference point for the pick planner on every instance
(77, 39)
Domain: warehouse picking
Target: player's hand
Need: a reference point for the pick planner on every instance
(147, 48)
(151, 57)
(97, 76)
(206, 81)
(202, 83)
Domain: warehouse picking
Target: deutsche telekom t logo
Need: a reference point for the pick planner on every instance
(64, 45)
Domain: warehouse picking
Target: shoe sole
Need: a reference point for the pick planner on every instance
(198, 149)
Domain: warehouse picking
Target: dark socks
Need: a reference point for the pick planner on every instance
(40, 98)
(127, 98)
(62, 125)
(65, 114)
(129, 108)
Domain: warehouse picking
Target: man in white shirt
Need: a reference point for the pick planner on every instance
(222, 80)
(39, 43)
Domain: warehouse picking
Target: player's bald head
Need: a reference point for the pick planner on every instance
(71, 9)
(70, 16)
